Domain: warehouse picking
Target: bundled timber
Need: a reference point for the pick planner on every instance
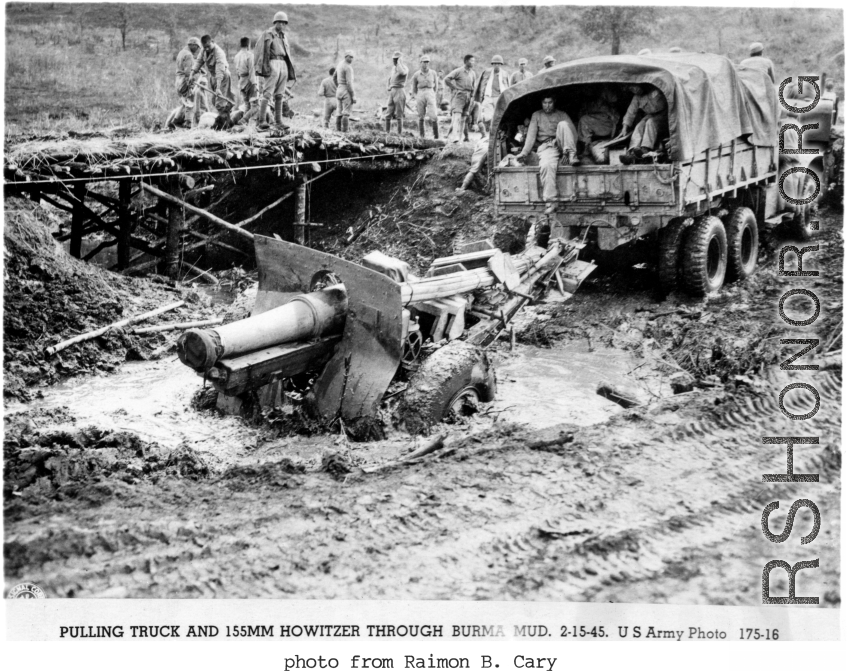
(294, 151)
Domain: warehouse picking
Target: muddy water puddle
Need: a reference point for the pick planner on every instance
(151, 399)
(545, 387)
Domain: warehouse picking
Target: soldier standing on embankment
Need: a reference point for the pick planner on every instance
(245, 70)
(184, 63)
(273, 62)
(396, 106)
(424, 85)
(461, 82)
(491, 84)
(345, 94)
(327, 91)
(212, 59)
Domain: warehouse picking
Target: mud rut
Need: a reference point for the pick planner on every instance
(505, 514)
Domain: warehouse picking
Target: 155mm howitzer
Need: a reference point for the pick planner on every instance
(354, 329)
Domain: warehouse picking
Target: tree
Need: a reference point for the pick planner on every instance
(123, 18)
(611, 25)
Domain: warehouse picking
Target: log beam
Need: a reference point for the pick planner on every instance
(125, 220)
(78, 218)
(176, 221)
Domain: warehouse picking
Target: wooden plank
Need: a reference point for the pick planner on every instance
(257, 369)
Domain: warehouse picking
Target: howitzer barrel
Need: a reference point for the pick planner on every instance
(304, 317)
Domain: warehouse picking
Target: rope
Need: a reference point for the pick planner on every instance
(193, 172)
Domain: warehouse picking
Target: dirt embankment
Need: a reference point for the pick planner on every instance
(50, 296)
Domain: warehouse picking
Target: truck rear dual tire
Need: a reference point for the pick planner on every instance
(670, 251)
(800, 226)
(449, 383)
(704, 256)
(742, 238)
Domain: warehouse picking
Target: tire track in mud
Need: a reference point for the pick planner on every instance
(645, 507)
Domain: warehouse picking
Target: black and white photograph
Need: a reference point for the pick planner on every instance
(418, 302)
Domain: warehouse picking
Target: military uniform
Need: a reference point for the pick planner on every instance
(424, 85)
(396, 105)
(273, 63)
(245, 70)
(653, 126)
(549, 135)
(327, 91)
(220, 81)
(461, 82)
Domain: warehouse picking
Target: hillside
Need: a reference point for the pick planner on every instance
(66, 63)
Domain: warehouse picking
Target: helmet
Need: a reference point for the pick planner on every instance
(549, 59)
(644, 52)
(280, 16)
(424, 59)
(349, 52)
(397, 54)
(756, 48)
(497, 60)
(523, 61)
(194, 40)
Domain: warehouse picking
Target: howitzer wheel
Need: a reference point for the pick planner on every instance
(670, 248)
(450, 383)
(704, 256)
(742, 239)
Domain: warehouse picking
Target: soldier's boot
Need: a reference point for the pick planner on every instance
(278, 111)
(422, 128)
(237, 116)
(263, 112)
(338, 121)
(435, 128)
(345, 124)
(399, 125)
(388, 125)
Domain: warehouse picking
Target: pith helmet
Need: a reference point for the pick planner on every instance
(497, 60)
(424, 59)
(756, 48)
(549, 59)
(280, 16)
(194, 40)
(397, 54)
(523, 61)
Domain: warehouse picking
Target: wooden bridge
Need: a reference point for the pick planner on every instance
(67, 173)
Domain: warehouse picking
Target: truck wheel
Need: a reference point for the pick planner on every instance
(742, 239)
(800, 227)
(670, 245)
(704, 256)
(450, 383)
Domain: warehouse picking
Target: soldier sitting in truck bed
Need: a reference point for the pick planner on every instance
(552, 135)
(653, 126)
(598, 118)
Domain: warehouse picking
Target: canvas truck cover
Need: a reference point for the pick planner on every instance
(711, 101)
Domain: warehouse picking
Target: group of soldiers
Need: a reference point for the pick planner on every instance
(264, 75)
(204, 79)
